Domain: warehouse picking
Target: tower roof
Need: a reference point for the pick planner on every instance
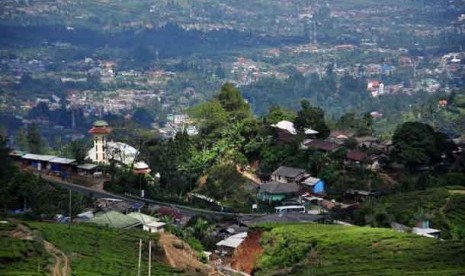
(100, 127)
(100, 123)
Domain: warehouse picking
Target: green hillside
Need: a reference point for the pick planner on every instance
(444, 208)
(313, 249)
(89, 250)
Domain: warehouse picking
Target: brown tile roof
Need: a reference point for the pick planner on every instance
(322, 145)
(356, 155)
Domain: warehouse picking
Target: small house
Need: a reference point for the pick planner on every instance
(423, 229)
(149, 223)
(313, 185)
(276, 191)
(228, 245)
(38, 161)
(88, 169)
(288, 175)
(60, 164)
(356, 156)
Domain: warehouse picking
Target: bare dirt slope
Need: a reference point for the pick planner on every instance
(179, 254)
(246, 255)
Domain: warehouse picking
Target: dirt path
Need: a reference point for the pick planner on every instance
(61, 266)
(388, 179)
(252, 177)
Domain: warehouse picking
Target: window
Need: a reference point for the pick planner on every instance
(96, 156)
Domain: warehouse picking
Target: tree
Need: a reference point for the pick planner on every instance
(361, 125)
(172, 160)
(312, 117)
(34, 140)
(223, 182)
(21, 139)
(277, 114)
(232, 101)
(143, 117)
(76, 149)
(211, 117)
(6, 165)
(415, 144)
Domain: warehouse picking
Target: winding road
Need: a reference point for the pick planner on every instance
(98, 193)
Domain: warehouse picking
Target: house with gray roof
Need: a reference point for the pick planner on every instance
(149, 223)
(288, 175)
(276, 191)
(114, 219)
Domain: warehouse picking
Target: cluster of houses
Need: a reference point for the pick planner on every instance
(287, 182)
(286, 132)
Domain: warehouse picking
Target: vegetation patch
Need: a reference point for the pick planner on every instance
(315, 249)
(91, 251)
(444, 208)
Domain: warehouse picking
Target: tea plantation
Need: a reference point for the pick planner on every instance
(315, 249)
(90, 250)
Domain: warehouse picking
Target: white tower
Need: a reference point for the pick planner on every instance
(100, 130)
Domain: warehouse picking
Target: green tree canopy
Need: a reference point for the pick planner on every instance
(312, 117)
(232, 101)
(34, 140)
(211, 117)
(277, 114)
(416, 143)
(362, 125)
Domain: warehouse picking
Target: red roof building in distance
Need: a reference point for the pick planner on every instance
(373, 84)
(100, 127)
(356, 155)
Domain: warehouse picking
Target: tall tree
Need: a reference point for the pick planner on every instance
(232, 101)
(312, 117)
(277, 113)
(34, 140)
(21, 139)
(211, 117)
(77, 150)
(416, 143)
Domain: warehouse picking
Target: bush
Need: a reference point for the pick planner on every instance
(195, 244)
(454, 179)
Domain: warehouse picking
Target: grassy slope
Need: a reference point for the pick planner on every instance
(312, 249)
(92, 251)
(446, 210)
(20, 257)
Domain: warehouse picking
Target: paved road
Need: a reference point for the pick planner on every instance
(95, 193)
(92, 192)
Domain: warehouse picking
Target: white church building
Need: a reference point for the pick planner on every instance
(105, 151)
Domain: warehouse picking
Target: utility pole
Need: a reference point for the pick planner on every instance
(150, 257)
(69, 212)
(140, 257)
